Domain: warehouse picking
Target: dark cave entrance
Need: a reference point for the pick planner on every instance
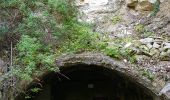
(90, 82)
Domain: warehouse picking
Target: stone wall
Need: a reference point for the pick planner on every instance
(124, 69)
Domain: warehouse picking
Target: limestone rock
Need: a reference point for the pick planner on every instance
(146, 40)
(154, 52)
(144, 48)
(131, 3)
(156, 45)
(149, 45)
(140, 5)
(92, 11)
(165, 56)
(144, 5)
(152, 1)
(166, 90)
(167, 46)
(160, 23)
(140, 58)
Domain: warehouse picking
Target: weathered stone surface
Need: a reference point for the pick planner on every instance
(149, 45)
(152, 1)
(140, 5)
(155, 52)
(166, 90)
(146, 40)
(91, 58)
(166, 45)
(2, 64)
(131, 3)
(100, 60)
(156, 45)
(160, 24)
(144, 5)
(96, 10)
(101, 13)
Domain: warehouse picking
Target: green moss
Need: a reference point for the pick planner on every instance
(147, 34)
(116, 19)
(139, 28)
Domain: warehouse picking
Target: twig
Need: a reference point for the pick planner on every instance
(11, 56)
(64, 75)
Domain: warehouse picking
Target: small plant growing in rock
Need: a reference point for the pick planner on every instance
(148, 74)
(143, 31)
(35, 90)
(116, 19)
(139, 28)
(27, 97)
(147, 34)
(113, 52)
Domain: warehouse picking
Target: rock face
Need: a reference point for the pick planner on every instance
(95, 10)
(156, 47)
(160, 24)
(140, 5)
(131, 3)
(100, 60)
(166, 90)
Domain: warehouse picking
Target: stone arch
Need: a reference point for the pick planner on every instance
(97, 63)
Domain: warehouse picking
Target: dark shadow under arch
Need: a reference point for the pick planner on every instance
(91, 76)
(88, 82)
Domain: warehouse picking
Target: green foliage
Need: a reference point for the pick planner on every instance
(64, 8)
(115, 48)
(147, 34)
(43, 37)
(148, 74)
(113, 52)
(3, 30)
(116, 19)
(24, 6)
(139, 28)
(120, 53)
(30, 58)
(143, 31)
(80, 38)
(61, 6)
(123, 41)
(35, 90)
(27, 97)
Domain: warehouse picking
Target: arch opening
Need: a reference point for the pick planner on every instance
(89, 82)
